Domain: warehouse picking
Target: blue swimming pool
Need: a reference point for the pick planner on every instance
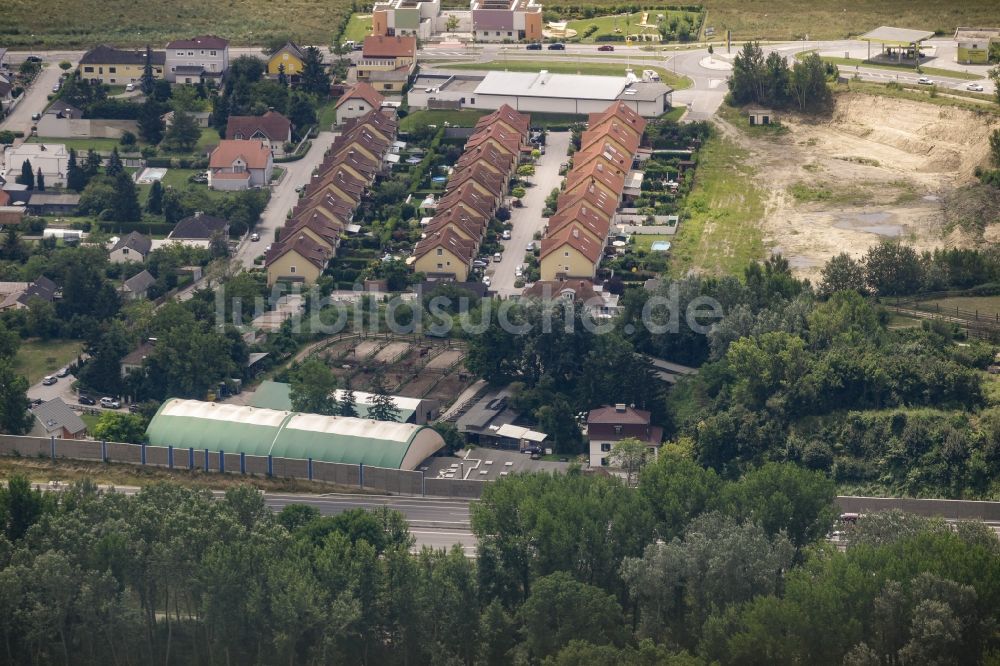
(660, 246)
(440, 179)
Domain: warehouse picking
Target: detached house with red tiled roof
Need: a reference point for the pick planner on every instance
(240, 165)
(272, 128)
(606, 426)
(388, 62)
(359, 100)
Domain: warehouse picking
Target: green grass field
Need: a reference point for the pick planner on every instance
(793, 19)
(84, 23)
(920, 94)
(987, 306)
(645, 241)
(357, 29)
(326, 115)
(622, 24)
(721, 233)
(558, 67)
(80, 144)
(463, 118)
(37, 358)
(847, 63)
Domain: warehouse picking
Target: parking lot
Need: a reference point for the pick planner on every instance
(487, 464)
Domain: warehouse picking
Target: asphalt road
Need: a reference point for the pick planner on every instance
(35, 100)
(528, 219)
(283, 199)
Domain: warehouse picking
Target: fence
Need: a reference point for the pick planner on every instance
(983, 325)
(364, 477)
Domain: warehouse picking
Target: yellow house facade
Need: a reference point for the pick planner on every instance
(289, 55)
(292, 266)
(566, 262)
(117, 66)
(441, 260)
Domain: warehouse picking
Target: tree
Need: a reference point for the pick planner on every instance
(746, 83)
(301, 111)
(119, 427)
(451, 24)
(842, 273)
(282, 77)
(65, 65)
(526, 170)
(126, 208)
(151, 125)
(995, 148)
(147, 81)
(27, 176)
(20, 506)
(382, 407)
(13, 249)
(892, 269)
(183, 133)
(114, 165)
(92, 165)
(995, 78)
(40, 180)
(154, 204)
(561, 609)
(312, 387)
(348, 402)
(629, 455)
(15, 419)
(807, 84)
(76, 179)
(314, 77)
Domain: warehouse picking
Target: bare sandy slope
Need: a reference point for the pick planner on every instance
(879, 167)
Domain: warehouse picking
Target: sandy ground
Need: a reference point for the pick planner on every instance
(879, 167)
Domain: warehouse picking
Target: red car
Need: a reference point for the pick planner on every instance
(606, 47)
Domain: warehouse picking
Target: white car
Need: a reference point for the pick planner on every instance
(975, 87)
(497, 257)
(519, 271)
(924, 81)
(254, 238)
(530, 247)
(486, 280)
(110, 403)
(506, 234)
(130, 87)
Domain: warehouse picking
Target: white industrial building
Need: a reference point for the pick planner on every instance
(541, 92)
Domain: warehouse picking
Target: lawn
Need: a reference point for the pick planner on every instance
(645, 241)
(463, 118)
(359, 27)
(854, 62)
(83, 144)
(91, 421)
(720, 233)
(209, 139)
(793, 19)
(986, 306)
(326, 115)
(37, 358)
(570, 67)
(625, 23)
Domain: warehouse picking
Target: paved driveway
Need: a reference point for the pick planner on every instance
(283, 198)
(528, 219)
(36, 98)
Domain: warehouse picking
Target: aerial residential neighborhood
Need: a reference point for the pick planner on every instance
(504, 332)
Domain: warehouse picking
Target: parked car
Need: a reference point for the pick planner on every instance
(486, 258)
(33, 58)
(519, 271)
(506, 234)
(486, 280)
(110, 403)
(479, 263)
(36, 116)
(558, 46)
(36, 402)
(86, 400)
(530, 247)
(534, 46)
(49, 380)
(129, 87)
(975, 87)
(924, 81)
(64, 372)
(133, 408)
(254, 237)
(606, 47)
(55, 88)
(497, 257)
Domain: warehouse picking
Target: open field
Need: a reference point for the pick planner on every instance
(85, 23)
(877, 167)
(721, 233)
(988, 306)
(37, 358)
(585, 67)
(854, 62)
(791, 19)
(625, 23)
(962, 99)
(357, 29)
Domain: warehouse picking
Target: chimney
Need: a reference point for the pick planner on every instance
(576, 232)
(620, 407)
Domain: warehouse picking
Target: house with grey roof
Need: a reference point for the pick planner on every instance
(55, 419)
(137, 286)
(42, 288)
(199, 227)
(133, 247)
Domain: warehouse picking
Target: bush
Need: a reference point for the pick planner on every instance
(128, 139)
(610, 38)
(7, 137)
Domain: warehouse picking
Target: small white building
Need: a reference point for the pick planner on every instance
(51, 158)
(195, 59)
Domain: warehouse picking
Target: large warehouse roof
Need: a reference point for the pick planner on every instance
(547, 84)
(262, 432)
(903, 36)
